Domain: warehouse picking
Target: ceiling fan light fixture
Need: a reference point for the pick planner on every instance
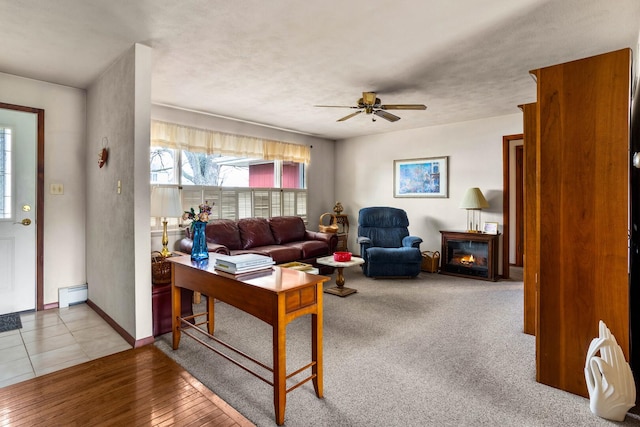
(370, 104)
(369, 98)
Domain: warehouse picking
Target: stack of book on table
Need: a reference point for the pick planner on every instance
(243, 264)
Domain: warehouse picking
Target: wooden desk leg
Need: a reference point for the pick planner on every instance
(210, 315)
(176, 310)
(280, 367)
(316, 343)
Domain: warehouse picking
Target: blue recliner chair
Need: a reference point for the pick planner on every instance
(385, 244)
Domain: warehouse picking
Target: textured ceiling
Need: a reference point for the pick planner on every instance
(271, 62)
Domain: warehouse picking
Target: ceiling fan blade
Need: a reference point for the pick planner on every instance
(386, 115)
(403, 107)
(336, 106)
(349, 116)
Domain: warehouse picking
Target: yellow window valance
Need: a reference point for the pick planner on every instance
(180, 137)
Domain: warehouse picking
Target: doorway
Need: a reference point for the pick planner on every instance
(513, 202)
(21, 223)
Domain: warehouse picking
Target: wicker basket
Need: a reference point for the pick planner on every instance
(160, 269)
(430, 261)
(332, 227)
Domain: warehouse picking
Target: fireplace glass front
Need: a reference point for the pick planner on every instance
(468, 258)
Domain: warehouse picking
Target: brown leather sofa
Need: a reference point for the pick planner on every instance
(283, 238)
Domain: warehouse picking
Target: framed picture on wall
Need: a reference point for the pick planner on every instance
(426, 177)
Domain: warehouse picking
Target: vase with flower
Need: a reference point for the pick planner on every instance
(199, 220)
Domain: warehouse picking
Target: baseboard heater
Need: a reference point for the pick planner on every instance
(72, 295)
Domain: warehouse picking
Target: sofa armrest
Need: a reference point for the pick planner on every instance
(186, 244)
(330, 238)
(411, 242)
(219, 249)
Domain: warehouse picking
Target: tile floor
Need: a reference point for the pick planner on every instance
(55, 339)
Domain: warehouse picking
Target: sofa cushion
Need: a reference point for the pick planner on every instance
(310, 248)
(404, 255)
(255, 232)
(224, 232)
(287, 229)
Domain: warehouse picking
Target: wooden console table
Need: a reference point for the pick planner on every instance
(276, 298)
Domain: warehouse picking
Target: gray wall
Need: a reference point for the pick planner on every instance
(117, 229)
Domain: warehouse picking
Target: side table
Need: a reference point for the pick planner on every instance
(340, 290)
(161, 297)
(161, 307)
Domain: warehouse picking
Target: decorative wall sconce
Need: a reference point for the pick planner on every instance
(103, 155)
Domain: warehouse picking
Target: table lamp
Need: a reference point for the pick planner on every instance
(165, 202)
(473, 201)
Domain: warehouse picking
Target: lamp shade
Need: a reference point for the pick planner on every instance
(165, 202)
(474, 199)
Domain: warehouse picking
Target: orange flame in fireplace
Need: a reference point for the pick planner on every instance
(468, 259)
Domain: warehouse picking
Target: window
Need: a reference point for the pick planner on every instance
(237, 187)
(163, 166)
(5, 173)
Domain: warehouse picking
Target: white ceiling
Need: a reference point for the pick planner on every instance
(270, 62)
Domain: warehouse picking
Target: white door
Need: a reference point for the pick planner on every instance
(18, 159)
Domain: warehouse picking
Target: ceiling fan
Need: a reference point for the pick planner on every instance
(371, 104)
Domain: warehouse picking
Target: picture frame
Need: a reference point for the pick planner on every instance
(490, 228)
(425, 177)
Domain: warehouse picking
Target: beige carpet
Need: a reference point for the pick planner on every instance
(434, 351)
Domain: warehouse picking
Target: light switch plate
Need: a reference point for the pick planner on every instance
(56, 189)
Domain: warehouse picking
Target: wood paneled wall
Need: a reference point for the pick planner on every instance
(582, 212)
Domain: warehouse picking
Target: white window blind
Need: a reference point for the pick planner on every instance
(237, 203)
(180, 137)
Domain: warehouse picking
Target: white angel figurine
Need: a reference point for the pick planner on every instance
(612, 389)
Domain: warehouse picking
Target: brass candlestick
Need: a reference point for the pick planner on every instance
(165, 240)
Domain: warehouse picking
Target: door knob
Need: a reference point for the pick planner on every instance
(26, 221)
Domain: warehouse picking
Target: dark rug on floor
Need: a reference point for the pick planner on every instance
(9, 322)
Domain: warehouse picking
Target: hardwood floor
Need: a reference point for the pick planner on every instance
(135, 387)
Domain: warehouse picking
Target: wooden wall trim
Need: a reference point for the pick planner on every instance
(506, 141)
(119, 329)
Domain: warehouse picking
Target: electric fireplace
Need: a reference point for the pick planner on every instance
(472, 255)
